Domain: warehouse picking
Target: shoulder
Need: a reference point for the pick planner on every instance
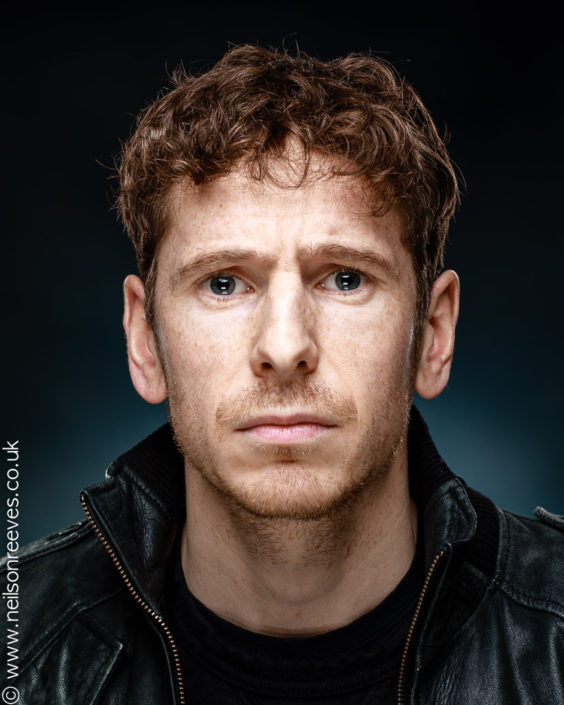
(58, 542)
(531, 560)
(54, 582)
(63, 559)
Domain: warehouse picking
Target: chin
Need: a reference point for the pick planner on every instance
(292, 491)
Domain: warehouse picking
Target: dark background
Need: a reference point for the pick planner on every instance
(71, 88)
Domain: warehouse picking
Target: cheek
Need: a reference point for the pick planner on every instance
(368, 343)
(372, 356)
(203, 351)
(187, 352)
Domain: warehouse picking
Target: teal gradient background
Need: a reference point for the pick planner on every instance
(73, 85)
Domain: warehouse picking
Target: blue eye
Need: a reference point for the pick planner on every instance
(226, 284)
(222, 284)
(344, 280)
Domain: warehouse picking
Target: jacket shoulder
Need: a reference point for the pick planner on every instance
(52, 582)
(58, 540)
(61, 558)
(532, 560)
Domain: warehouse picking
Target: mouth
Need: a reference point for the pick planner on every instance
(287, 429)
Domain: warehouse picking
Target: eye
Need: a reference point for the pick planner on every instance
(226, 284)
(343, 280)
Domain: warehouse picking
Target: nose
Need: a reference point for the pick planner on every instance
(285, 345)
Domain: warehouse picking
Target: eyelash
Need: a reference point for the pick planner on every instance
(230, 297)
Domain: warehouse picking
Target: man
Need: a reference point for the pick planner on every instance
(293, 536)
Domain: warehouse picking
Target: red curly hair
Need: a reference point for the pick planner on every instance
(355, 110)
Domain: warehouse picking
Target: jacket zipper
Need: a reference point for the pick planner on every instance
(401, 681)
(178, 672)
(164, 628)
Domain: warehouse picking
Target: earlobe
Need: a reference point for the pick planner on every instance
(437, 345)
(144, 365)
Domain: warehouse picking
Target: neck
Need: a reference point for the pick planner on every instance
(299, 578)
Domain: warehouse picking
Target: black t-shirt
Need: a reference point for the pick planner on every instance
(355, 665)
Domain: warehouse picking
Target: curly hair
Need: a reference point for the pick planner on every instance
(355, 110)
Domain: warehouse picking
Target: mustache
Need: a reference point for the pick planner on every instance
(295, 397)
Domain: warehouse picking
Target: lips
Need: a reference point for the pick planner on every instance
(287, 429)
(291, 420)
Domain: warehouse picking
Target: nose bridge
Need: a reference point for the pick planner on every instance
(286, 336)
(286, 301)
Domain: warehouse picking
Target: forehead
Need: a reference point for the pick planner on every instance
(279, 220)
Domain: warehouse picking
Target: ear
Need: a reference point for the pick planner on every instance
(144, 365)
(437, 344)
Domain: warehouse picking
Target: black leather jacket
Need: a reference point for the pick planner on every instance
(488, 628)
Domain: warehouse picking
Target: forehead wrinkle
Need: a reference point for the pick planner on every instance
(325, 227)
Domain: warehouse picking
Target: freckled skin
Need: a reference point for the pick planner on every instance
(284, 343)
(290, 538)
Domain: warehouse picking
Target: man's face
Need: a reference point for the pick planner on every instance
(284, 324)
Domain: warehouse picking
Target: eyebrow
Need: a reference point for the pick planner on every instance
(346, 253)
(218, 259)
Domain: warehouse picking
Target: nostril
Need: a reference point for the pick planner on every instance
(267, 365)
(301, 363)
